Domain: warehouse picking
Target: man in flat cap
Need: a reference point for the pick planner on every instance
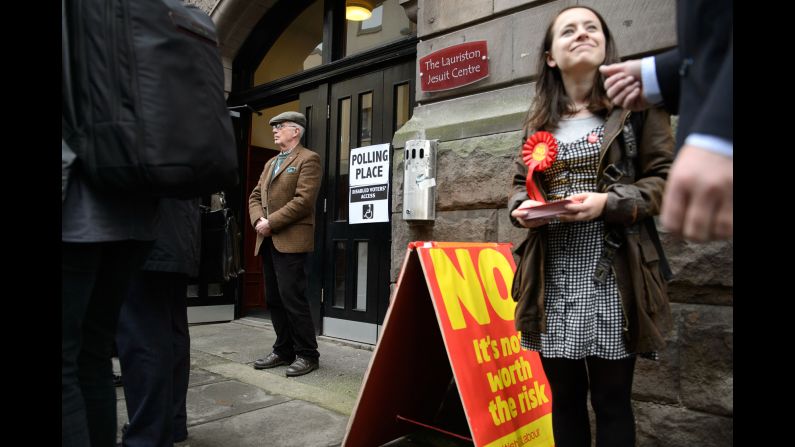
(282, 211)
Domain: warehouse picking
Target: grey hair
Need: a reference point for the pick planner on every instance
(301, 130)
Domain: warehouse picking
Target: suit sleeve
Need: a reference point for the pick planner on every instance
(303, 201)
(716, 116)
(667, 65)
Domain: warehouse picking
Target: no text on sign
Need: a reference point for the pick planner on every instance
(454, 66)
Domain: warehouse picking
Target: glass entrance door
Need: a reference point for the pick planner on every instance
(362, 111)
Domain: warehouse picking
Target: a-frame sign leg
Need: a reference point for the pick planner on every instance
(409, 373)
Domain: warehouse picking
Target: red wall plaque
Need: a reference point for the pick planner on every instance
(454, 66)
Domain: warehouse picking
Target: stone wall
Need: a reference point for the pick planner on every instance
(686, 398)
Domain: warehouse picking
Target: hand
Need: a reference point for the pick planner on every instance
(590, 206)
(263, 227)
(624, 86)
(698, 200)
(518, 213)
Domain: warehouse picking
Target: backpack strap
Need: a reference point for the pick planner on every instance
(625, 171)
(622, 171)
(636, 129)
(68, 107)
(612, 241)
(665, 268)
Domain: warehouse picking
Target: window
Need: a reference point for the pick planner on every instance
(344, 129)
(373, 24)
(299, 48)
(387, 24)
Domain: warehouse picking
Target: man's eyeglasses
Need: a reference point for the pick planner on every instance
(281, 125)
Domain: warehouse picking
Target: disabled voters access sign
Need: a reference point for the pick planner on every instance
(449, 359)
(368, 198)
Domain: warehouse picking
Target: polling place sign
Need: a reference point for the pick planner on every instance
(369, 184)
(449, 335)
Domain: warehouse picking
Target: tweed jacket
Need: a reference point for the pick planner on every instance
(630, 205)
(288, 201)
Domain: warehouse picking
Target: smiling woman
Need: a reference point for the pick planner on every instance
(579, 42)
(569, 308)
(559, 64)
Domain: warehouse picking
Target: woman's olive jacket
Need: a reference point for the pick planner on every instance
(632, 201)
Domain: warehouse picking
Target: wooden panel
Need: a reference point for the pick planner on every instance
(253, 289)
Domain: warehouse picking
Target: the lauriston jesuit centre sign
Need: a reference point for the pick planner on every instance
(454, 66)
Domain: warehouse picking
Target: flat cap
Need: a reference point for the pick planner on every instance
(294, 117)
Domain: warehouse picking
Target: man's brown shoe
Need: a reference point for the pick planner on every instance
(302, 366)
(271, 361)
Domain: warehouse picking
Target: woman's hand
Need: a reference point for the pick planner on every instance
(590, 206)
(520, 211)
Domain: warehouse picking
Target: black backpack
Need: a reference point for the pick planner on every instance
(143, 101)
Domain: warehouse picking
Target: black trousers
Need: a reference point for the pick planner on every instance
(610, 383)
(154, 353)
(94, 281)
(285, 295)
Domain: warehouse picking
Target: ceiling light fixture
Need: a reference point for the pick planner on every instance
(358, 10)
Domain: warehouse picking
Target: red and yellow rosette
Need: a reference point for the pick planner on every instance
(538, 153)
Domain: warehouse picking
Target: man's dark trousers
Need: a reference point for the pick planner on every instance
(154, 351)
(285, 295)
(94, 283)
